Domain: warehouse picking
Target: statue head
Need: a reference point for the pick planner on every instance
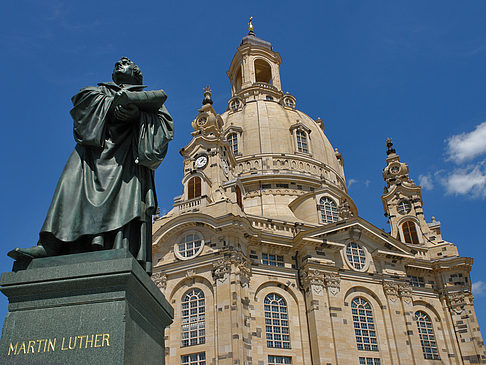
(127, 72)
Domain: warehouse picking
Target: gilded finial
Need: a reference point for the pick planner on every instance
(250, 27)
(207, 96)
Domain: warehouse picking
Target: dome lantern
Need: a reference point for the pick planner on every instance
(255, 68)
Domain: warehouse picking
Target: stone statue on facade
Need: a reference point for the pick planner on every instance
(105, 197)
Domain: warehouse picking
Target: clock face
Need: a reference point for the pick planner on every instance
(201, 162)
(394, 169)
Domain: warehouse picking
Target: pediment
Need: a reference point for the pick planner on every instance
(336, 235)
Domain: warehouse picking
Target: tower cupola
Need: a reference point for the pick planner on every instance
(255, 68)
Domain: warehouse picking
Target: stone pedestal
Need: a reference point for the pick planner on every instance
(93, 308)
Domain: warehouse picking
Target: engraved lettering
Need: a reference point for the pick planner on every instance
(62, 346)
(52, 345)
(74, 344)
(13, 349)
(39, 342)
(81, 340)
(106, 337)
(49, 344)
(91, 341)
(31, 346)
(22, 348)
(96, 340)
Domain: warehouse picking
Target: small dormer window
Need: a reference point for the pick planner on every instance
(232, 139)
(302, 144)
(268, 97)
(328, 209)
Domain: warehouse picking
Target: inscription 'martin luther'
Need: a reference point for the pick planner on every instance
(46, 345)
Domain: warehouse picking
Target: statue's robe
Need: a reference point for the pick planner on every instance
(105, 197)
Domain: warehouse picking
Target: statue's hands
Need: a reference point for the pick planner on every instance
(126, 112)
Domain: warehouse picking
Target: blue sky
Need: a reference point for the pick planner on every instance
(414, 71)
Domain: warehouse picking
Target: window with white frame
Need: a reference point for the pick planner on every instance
(277, 359)
(194, 359)
(364, 325)
(302, 144)
(356, 255)
(232, 139)
(427, 336)
(189, 246)
(193, 318)
(276, 322)
(272, 260)
(369, 361)
(329, 211)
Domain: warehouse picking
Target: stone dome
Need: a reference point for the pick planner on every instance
(268, 127)
(284, 160)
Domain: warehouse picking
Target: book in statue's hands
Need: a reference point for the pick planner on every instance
(147, 101)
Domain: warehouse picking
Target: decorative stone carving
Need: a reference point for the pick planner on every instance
(333, 283)
(160, 279)
(391, 290)
(345, 210)
(221, 269)
(405, 291)
(456, 301)
(314, 280)
(190, 273)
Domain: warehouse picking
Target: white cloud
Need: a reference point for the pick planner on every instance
(367, 182)
(466, 146)
(468, 181)
(351, 182)
(478, 288)
(426, 182)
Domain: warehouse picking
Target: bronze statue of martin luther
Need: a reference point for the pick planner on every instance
(105, 197)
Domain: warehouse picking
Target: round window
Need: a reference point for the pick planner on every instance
(356, 256)
(404, 207)
(189, 246)
(235, 105)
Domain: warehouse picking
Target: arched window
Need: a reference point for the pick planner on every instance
(427, 336)
(276, 321)
(239, 200)
(194, 187)
(364, 325)
(232, 139)
(302, 145)
(193, 318)
(328, 208)
(189, 246)
(263, 71)
(410, 232)
(356, 255)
